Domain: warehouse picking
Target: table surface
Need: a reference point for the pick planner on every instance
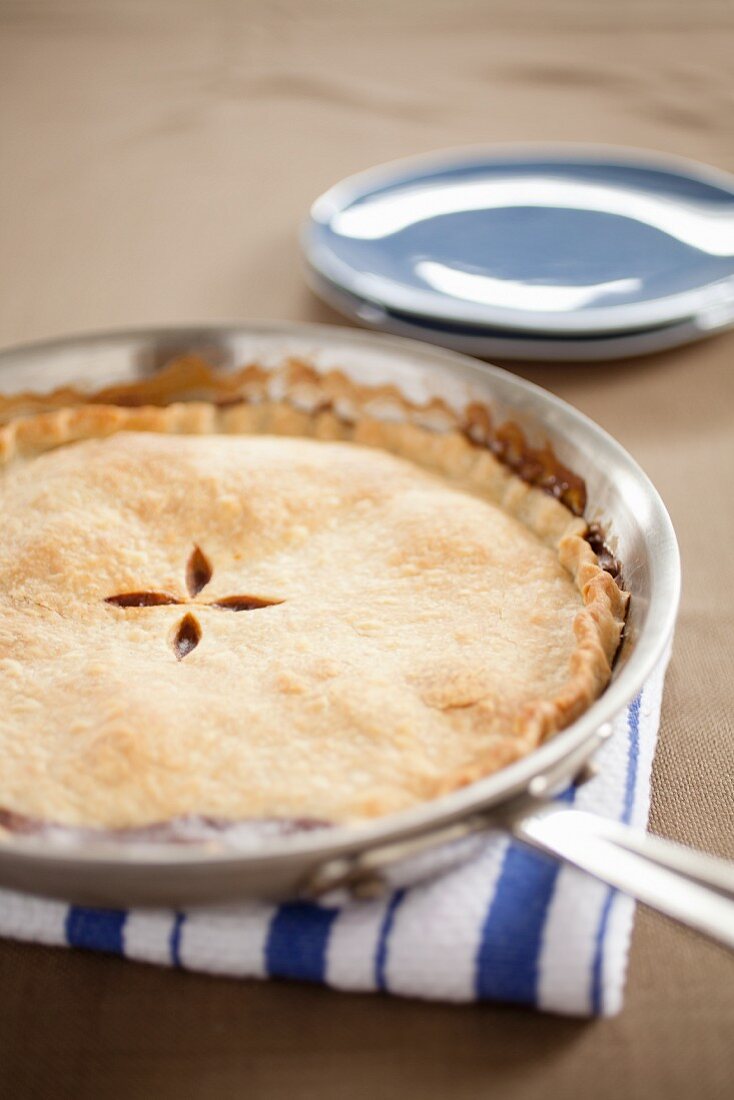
(159, 155)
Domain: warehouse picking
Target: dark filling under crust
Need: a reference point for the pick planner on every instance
(539, 466)
(595, 538)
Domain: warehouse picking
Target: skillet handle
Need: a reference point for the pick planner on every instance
(691, 887)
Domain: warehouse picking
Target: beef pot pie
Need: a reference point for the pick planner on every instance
(277, 605)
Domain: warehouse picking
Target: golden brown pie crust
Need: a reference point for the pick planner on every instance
(333, 605)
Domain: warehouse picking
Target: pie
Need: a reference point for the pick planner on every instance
(281, 604)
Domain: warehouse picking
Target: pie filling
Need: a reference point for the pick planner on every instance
(253, 612)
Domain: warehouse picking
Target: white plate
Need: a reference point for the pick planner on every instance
(499, 344)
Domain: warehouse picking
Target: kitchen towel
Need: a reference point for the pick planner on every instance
(509, 925)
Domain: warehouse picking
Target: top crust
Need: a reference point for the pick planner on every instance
(429, 617)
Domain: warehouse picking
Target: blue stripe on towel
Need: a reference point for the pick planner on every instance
(297, 941)
(383, 940)
(511, 939)
(96, 929)
(174, 941)
(633, 756)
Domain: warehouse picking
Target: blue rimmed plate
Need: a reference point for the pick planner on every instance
(570, 242)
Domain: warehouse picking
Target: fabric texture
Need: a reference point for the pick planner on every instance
(509, 925)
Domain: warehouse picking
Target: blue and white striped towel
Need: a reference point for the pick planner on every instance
(507, 926)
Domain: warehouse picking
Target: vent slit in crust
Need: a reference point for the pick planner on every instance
(198, 571)
(244, 603)
(187, 636)
(142, 599)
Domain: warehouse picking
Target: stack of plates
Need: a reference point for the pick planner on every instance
(552, 254)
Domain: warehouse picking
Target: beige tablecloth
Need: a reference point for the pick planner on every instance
(158, 157)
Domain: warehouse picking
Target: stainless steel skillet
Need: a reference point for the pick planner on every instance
(686, 885)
